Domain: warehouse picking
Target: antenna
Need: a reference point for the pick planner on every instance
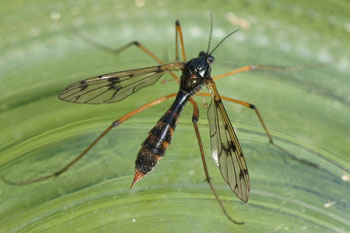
(223, 41)
(211, 30)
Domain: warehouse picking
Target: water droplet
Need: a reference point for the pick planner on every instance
(329, 204)
(346, 177)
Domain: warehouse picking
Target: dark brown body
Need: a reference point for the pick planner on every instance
(194, 75)
(159, 138)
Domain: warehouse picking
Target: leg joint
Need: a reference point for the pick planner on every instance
(57, 173)
(252, 106)
(115, 123)
(207, 180)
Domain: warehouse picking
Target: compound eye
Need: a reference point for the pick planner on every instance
(210, 59)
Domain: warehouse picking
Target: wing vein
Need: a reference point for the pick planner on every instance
(119, 84)
(226, 147)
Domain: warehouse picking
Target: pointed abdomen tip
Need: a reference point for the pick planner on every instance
(138, 176)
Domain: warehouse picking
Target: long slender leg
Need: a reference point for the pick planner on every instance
(108, 49)
(76, 159)
(263, 67)
(207, 177)
(179, 35)
(253, 107)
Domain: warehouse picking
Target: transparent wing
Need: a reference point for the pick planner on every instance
(113, 87)
(226, 149)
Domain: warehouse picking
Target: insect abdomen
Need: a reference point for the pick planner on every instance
(155, 145)
(159, 138)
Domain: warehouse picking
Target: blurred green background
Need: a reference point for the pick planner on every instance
(307, 112)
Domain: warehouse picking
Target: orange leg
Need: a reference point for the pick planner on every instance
(263, 67)
(108, 49)
(207, 177)
(76, 159)
(179, 35)
(253, 107)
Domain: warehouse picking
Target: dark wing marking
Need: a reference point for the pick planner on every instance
(226, 150)
(113, 87)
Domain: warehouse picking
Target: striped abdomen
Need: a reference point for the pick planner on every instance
(159, 138)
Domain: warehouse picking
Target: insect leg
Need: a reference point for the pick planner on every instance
(76, 159)
(195, 117)
(108, 49)
(179, 35)
(253, 107)
(264, 67)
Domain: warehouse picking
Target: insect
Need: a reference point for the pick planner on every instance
(195, 74)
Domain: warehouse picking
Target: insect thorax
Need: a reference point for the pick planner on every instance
(195, 74)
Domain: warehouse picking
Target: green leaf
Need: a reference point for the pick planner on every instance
(306, 110)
